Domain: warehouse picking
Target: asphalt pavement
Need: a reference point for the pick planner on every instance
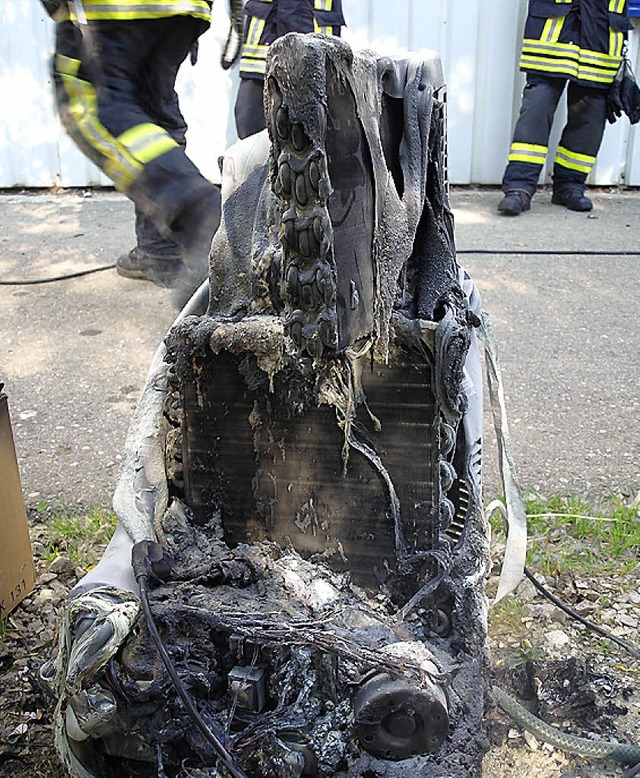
(75, 353)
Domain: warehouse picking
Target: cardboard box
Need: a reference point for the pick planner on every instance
(17, 574)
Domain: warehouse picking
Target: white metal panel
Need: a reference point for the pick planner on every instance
(460, 57)
(499, 88)
(27, 147)
(632, 171)
(478, 40)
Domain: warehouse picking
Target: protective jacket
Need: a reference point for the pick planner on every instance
(270, 19)
(95, 10)
(580, 40)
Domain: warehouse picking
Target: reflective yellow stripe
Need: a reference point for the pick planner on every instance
(259, 52)
(574, 161)
(142, 9)
(616, 42)
(67, 66)
(616, 6)
(254, 53)
(598, 76)
(323, 5)
(118, 164)
(597, 58)
(528, 152)
(552, 29)
(530, 46)
(147, 141)
(253, 66)
(566, 67)
(256, 28)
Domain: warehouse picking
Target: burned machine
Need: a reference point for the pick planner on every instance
(301, 484)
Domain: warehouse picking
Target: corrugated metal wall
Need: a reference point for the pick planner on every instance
(478, 41)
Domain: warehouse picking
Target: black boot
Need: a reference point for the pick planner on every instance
(162, 271)
(573, 199)
(514, 203)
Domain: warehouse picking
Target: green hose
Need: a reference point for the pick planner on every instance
(599, 749)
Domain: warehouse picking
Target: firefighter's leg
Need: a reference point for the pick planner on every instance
(249, 107)
(169, 188)
(530, 142)
(579, 146)
(155, 257)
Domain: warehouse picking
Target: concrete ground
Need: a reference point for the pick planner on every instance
(75, 353)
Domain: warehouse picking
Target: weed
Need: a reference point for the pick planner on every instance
(526, 652)
(80, 536)
(507, 615)
(571, 532)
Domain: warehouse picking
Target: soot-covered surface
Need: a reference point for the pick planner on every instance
(308, 454)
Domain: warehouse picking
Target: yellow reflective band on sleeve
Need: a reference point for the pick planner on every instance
(616, 43)
(146, 142)
(257, 52)
(616, 6)
(574, 161)
(256, 28)
(322, 5)
(253, 66)
(528, 152)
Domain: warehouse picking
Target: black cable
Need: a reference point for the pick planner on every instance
(545, 253)
(543, 590)
(503, 252)
(211, 738)
(58, 278)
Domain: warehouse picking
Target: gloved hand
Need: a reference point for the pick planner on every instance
(624, 95)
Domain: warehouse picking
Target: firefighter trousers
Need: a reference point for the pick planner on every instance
(115, 90)
(579, 143)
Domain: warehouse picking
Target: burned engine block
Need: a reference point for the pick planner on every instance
(319, 508)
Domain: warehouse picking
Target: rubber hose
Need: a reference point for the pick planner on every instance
(572, 744)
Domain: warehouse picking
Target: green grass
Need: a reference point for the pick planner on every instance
(80, 536)
(526, 652)
(508, 614)
(571, 532)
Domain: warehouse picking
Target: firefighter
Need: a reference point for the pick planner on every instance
(265, 21)
(578, 43)
(114, 70)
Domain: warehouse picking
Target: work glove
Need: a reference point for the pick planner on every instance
(624, 95)
(233, 44)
